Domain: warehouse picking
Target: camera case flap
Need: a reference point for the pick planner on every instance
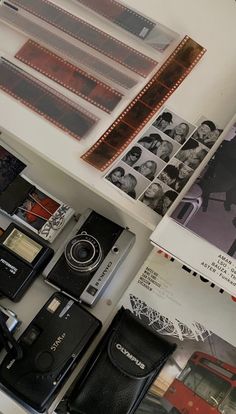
(122, 367)
(52, 344)
(84, 266)
(22, 256)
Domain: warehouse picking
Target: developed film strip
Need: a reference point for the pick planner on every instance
(145, 105)
(69, 76)
(154, 34)
(14, 17)
(71, 118)
(90, 35)
(122, 16)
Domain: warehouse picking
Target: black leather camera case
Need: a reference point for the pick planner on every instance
(121, 369)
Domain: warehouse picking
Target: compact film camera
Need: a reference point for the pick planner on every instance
(51, 347)
(84, 266)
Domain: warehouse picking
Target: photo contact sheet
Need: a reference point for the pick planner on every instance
(156, 168)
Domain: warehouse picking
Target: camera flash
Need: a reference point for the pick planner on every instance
(22, 245)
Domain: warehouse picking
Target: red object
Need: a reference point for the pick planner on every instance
(205, 386)
(42, 210)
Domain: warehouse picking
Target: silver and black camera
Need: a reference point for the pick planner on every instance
(86, 263)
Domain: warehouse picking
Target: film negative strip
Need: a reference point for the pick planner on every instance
(121, 15)
(21, 22)
(90, 35)
(37, 96)
(154, 34)
(144, 106)
(69, 76)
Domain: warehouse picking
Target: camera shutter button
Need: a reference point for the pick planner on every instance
(44, 361)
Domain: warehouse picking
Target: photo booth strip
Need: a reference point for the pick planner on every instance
(37, 96)
(167, 79)
(89, 35)
(24, 24)
(69, 76)
(121, 15)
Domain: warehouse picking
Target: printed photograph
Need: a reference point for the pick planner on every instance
(159, 144)
(174, 126)
(192, 153)
(200, 375)
(148, 164)
(207, 133)
(209, 208)
(176, 175)
(37, 209)
(127, 180)
(159, 197)
(132, 155)
(10, 167)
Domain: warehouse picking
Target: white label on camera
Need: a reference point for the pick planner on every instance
(12, 269)
(53, 305)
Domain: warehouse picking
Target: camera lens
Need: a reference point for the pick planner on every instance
(83, 253)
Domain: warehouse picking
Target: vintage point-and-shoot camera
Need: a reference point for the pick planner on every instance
(52, 345)
(84, 266)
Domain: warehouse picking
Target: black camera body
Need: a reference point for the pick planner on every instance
(52, 345)
(22, 256)
(84, 266)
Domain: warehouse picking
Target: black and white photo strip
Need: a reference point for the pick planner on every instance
(207, 133)
(155, 169)
(127, 179)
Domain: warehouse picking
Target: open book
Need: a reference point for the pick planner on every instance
(199, 317)
(201, 231)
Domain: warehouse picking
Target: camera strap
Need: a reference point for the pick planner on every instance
(8, 341)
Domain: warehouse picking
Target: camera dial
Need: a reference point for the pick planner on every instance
(83, 253)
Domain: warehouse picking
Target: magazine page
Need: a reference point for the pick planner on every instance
(203, 226)
(194, 313)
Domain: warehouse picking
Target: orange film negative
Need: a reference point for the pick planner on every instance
(89, 35)
(53, 106)
(69, 76)
(145, 105)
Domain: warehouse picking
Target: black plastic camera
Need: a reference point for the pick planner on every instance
(84, 266)
(51, 347)
(22, 257)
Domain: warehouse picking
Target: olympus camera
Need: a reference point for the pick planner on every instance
(84, 266)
